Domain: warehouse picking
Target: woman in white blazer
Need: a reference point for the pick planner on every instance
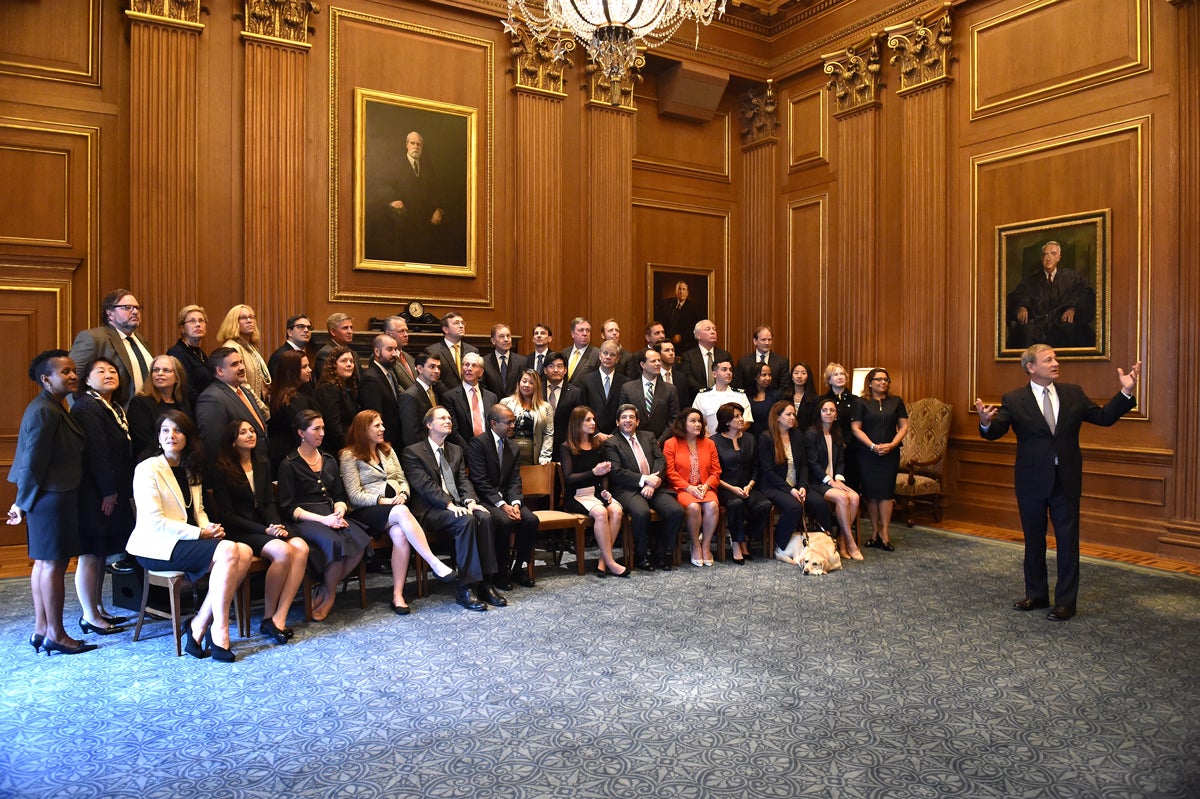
(534, 430)
(173, 533)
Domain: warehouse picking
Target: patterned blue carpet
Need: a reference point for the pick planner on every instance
(904, 676)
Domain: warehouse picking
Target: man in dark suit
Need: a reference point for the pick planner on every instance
(657, 402)
(341, 331)
(407, 210)
(468, 402)
(654, 333)
(679, 316)
(495, 466)
(581, 356)
(378, 390)
(118, 340)
(224, 401)
(602, 388)
(1053, 306)
(417, 399)
(451, 349)
(502, 369)
(638, 481)
(299, 333)
(747, 368)
(542, 338)
(696, 365)
(404, 370)
(610, 330)
(445, 503)
(1048, 478)
(562, 396)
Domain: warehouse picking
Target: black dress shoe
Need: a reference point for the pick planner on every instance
(115, 619)
(664, 565)
(269, 629)
(502, 582)
(522, 578)
(125, 565)
(191, 645)
(466, 597)
(54, 646)
(492, 597)
(36, 640)
(219, 653)
(1031, 604)
(400, 610)
(644, 565)
(448, 577)
(91, 628)
(1060, 613)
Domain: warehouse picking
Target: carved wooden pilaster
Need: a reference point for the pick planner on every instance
(856, 85)
(1182, 539)
(274, 188)
(616, 92)
(923, 55)
(758, 195)
(539, 80)
(164, 41)
(609, 192)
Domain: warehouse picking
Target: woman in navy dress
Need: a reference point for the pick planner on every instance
(880, 423)
(746, 509)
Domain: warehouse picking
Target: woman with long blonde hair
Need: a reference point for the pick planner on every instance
(239, 330)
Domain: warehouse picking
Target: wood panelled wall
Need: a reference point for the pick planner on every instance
(191, 162)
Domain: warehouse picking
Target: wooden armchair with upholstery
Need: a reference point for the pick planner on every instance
(919, 483)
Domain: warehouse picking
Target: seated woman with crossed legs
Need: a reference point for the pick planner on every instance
(586, 472)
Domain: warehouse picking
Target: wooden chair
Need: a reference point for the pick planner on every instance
(542, 482)
(175, 582)
(720, 536)
(919, 482)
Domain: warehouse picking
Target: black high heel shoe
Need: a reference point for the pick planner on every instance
(191, 645)
(114, 619)
(91, 628)
(219, 653)
(35, 641)
(448, 577)
(54, 646)
(269, 629)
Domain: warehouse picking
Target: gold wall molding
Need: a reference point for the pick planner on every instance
(655, 130)
(34, 19)
(923, 51)
(536, 66)
(808, 285)
(279, 21)
(757, 114)
(184, 13)
(808, 126)
(856, 77)
(616, 93)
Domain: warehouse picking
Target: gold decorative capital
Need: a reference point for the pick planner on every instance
(538, 66)
(279, 20)
(614, 92)
(173, 11)
(856, 75)
(758, 114)
(923, 50)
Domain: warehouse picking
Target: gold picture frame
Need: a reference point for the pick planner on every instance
(416, 219)
(1070, 313)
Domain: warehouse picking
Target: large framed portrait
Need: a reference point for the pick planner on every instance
(1052, 287)
(680, 296)
(414, 185)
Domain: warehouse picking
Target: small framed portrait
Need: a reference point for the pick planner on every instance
(414, 185)
(1053, 280)
(679, 298)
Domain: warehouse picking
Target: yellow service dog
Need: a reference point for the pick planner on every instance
(814, 553)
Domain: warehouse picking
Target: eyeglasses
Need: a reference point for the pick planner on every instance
(162, 370)
(297, 326)
(247, 318)
(884, 379)
(128, 308)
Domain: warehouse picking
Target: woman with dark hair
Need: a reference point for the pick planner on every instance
(746, 509)
(166, 390)
(337, 396)
(47, 468)
(586, 472)
(695, 472)
(244, 503)
(534, 430)
(802, 395)
(239, 330)
(312, 497)
(880, 423)
(783, 468)
(762, 395)
(173, 533)
(291, 392)
(827, 462)
(105, 512)
(378, 492)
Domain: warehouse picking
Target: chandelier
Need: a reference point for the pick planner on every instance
(610, 30)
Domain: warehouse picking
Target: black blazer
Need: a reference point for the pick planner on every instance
(195, 363)
(425, 479)
(450, 376)
(774, 475)
(338, 407)
(691, 367)
(589, 361)
(662, 414)
(818, 456)
(456, 402)
(626, 476)
(240, 510)
(1037, 447)
(49, 453)
(217, 407)
(569, 398)
(142, 413)
(491, 373)
(414, 404)
(746, 371)
(495, 481)
(375, 393)
(593, 397)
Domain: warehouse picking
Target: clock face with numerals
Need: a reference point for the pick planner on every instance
(416, 309)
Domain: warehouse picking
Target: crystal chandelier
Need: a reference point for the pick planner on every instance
(611, 30)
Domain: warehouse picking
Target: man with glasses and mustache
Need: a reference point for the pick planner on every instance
(117, 339)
